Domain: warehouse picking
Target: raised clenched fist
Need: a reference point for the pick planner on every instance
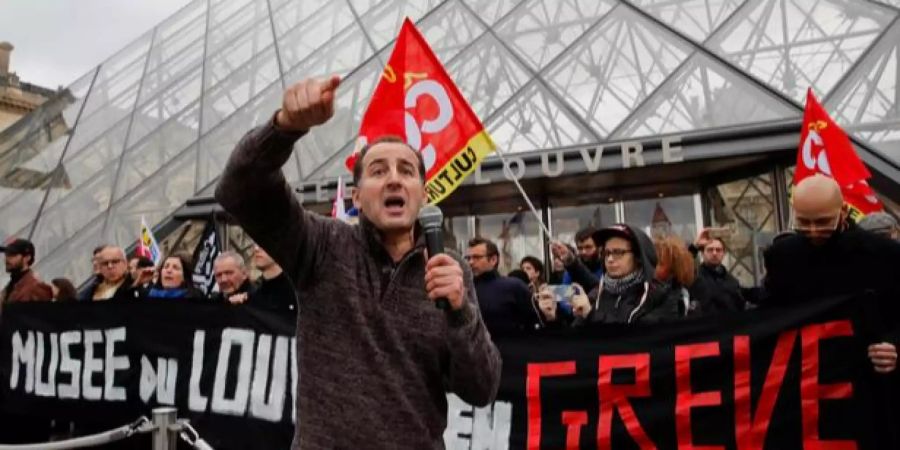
(307, 104)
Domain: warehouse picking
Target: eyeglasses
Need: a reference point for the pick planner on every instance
(615, 253)
(110, 262)
(474, 257)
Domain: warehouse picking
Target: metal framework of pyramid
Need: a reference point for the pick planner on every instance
(153, 125)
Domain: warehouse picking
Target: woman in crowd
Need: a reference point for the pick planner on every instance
(175, 279)
(675, 269)
(534, 268)
(627, 292)
(63, 290)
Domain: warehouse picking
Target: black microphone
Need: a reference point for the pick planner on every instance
(432, 219)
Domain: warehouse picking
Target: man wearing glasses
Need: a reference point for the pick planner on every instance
(117, 283)
(829, 256)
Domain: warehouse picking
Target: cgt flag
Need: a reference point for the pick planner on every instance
(826, 149)
(417, 99)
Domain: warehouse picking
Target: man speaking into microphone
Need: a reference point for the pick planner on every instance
(375, 355)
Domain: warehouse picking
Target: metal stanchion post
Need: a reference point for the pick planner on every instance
(164, 438)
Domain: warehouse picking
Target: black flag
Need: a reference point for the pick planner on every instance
(205, 255)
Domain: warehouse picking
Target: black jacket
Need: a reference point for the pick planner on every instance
(506, 304)
(276, 294)
(246, 287)
(125, 291)
(646, 302)
(716, 291)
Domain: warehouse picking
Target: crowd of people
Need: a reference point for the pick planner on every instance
(118, 278)
(618, 274)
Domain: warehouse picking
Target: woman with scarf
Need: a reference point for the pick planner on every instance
(175, 280)
(628, 291)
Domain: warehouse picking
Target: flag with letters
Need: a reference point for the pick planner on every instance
(826, 149)
(417, 100)
(147, 246)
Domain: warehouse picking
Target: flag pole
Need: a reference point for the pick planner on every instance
(515, 180)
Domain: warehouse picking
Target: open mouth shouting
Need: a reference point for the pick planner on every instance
(394, 204)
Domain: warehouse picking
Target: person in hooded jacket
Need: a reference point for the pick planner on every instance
(627, 292)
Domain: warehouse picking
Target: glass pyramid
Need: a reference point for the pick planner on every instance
(153, 125)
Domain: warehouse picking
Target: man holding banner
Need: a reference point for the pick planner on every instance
(376, 356)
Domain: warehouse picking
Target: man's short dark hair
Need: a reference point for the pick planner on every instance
(388, 138)
(584, 234)
(488, 244)
(719, 240)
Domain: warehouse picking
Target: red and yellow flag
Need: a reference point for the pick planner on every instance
(416, 99)
(826, 149)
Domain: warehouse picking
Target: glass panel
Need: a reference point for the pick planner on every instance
(178, 48)
(154, 200)
(793, 45)
(457, 233)
(288, 14)
(313, 32)
(516, 234)
(383, 22)
(492, 10)
(72, 259)
(231, 20)
(66, 218)
(216, 146)
(695, 18)
(142, 161)
(664, 216)
(243, 83)
(100, 155)
(157, 110)
(703, 94)
(534, 120)
(449, 30)
(487, 75)
(867, 104)
(19, 211)
(541, 29)
(615, 67)
(747, 209)
(118, 77)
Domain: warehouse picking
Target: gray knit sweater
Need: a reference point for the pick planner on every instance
(376, 357)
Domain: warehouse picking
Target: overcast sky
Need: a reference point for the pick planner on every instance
(57, 41)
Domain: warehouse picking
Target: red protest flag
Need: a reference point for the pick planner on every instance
(826, 149)
(418, 100)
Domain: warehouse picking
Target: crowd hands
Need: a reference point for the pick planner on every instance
(117, 278)
(620, 275)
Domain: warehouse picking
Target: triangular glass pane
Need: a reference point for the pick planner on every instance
(155, 199)
(794, 45)
(177, 49)
(541, 29)
(100, 155)
(70, 257)
(333, 20)
(535, 120)
(70, 213)
(695, 18)
(450, 29)
(382, 23)
(118, 77)
(243, 82)
(611, 70)
(487, 75)
(144, 159)
(868, 102)
(237, 20)
(704, 94)
(216, 146)
(492, 10)
(157, 110)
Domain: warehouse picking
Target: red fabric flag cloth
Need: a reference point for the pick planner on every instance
(416, 100)
(826, 149)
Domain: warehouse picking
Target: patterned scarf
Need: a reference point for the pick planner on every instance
(619, 285)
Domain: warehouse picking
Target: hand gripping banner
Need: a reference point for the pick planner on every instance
(416, 99)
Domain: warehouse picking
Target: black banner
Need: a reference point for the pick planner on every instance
(781, 379)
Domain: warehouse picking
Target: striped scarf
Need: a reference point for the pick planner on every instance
(619, 285)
